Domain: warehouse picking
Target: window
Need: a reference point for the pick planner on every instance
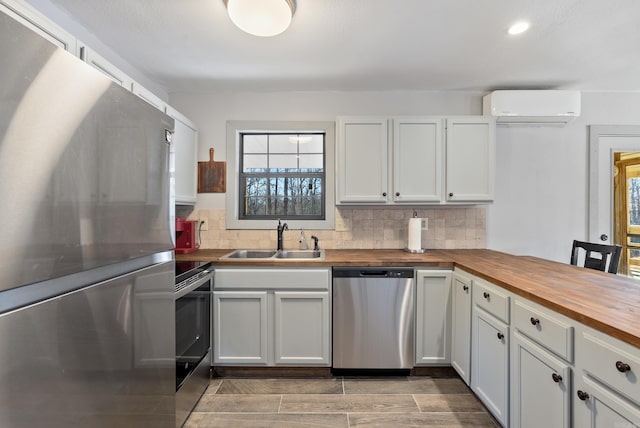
(282, 170)
(282, 175)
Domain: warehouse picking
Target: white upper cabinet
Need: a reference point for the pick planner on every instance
(363, 145)
(101, 63)
(402, 160)
(149, 96)
(470, 159)
(185, 148)
(34, 20)
(417, 160)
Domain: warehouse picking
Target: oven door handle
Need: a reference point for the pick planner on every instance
(193, 286)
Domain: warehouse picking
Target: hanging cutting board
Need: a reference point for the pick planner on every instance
(212, 176)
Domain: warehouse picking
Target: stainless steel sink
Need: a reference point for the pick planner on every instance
(250, 254)
(257, 255)
(299, 254)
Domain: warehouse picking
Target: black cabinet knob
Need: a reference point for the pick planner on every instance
(486, 295)
(450, 195)
(534, 321)
(622, 367)
(384, 193)
(397, 193)
(583, 395)
(556, 378)
(500, 335)
(465, 287)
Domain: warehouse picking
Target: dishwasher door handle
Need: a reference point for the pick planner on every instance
(374, 273)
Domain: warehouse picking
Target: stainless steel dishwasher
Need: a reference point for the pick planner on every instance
(373, 318)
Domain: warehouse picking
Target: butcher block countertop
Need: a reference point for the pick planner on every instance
(603, 301)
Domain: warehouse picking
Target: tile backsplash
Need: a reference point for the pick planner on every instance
(458, 227)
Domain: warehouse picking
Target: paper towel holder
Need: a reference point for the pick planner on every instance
(417, 250)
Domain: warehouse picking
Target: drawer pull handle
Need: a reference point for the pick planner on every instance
(486, 295)
(583, 395)
(623, 367)
(500, 336)
(556, 377)
(534, 321)
(465, 287)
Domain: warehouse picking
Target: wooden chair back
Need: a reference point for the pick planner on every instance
(610, 253)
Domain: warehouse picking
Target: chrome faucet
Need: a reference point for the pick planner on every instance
(281, 228)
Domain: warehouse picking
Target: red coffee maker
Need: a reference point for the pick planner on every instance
(186, 238)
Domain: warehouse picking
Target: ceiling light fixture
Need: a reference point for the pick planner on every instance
(264, 18)
(518, 28)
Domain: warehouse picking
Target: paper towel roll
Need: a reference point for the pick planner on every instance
(415, 233)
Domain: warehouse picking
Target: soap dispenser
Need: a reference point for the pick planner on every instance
(303, 241)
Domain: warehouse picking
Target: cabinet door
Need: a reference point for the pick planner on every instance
(490, 363)
(433, 317)
(240, 327)
(185, 146)
(417, 160)
(111, 71)
(540, 387)
(461, 326)
(596, 406)
(361, 160)
(34, 20)
(470, 154)
(302, 328)
(148, 96)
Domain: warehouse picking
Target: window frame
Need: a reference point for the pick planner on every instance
(233, 194)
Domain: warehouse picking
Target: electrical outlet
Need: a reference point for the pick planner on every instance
(342, 225)
(425, 224)
(204, 223)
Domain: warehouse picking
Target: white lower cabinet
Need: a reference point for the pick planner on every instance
(302, 327)
(607, 391)
(596, 406)
(490, 363)
(433, 317)
(272, 317)
(461, 325)
(240, 327)
(540, 387)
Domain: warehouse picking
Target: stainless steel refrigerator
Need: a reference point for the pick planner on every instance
(86, 263)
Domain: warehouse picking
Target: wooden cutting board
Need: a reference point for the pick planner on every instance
(212, 176)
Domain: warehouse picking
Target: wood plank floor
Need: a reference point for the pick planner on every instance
(340, 402)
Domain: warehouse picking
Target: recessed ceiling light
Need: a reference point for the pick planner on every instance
(518, 28)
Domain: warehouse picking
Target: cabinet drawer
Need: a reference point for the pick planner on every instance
(615, 364)
(277, 278)
(548, 331)
(491, 299)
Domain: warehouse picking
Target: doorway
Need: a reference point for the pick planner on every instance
(611, 219)
(626, 209)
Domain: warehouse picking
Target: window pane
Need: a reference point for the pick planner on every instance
(282, 144)
(314, 162)
(284, 196)
(254, 162)
(311, 144)
(283, 161)
(255, 143)
(633, 185)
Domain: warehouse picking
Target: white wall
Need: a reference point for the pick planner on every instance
(541, 177)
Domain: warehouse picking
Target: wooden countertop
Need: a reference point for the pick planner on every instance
(606, 302)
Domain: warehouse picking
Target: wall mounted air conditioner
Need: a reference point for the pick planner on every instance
(532, 107)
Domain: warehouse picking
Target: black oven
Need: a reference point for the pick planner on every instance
(194, 284)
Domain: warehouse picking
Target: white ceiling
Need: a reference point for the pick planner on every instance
(191, 45)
